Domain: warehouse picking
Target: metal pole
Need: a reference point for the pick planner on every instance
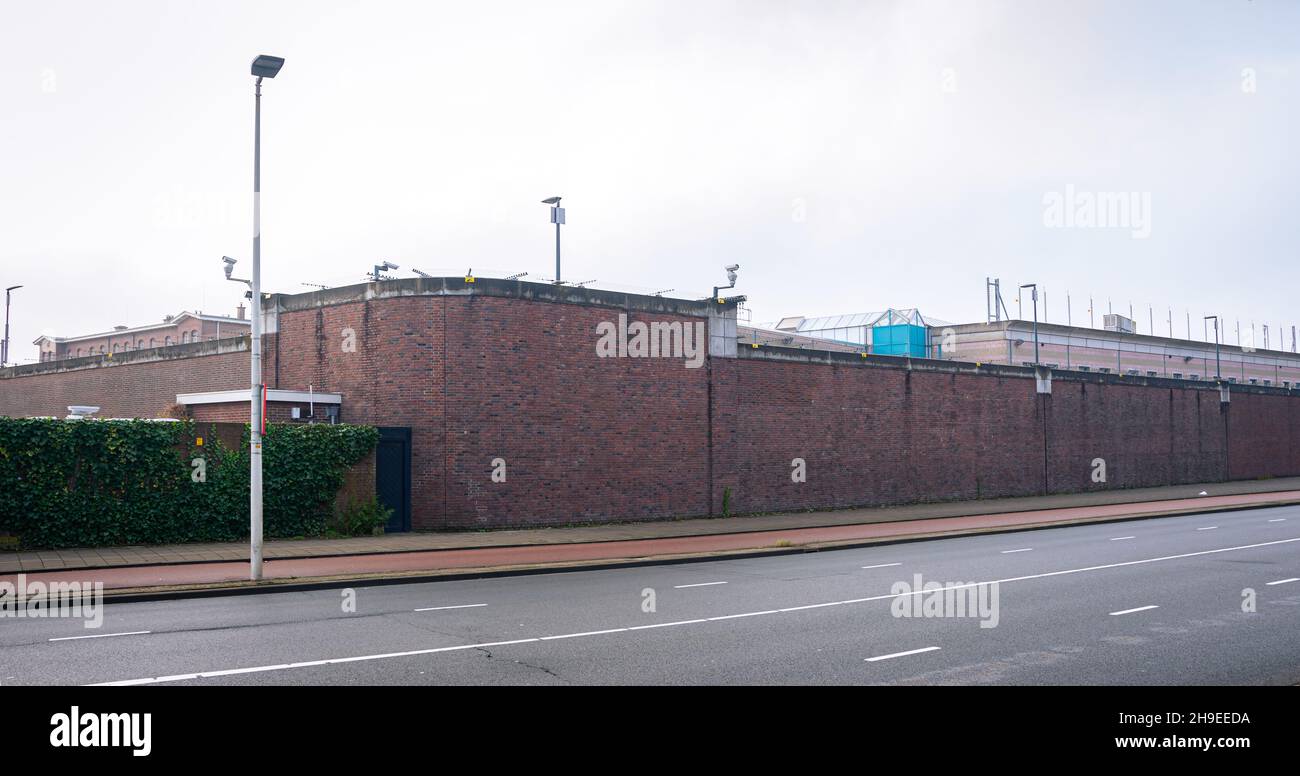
(557, 250)
(4, 351)
(1218, 366)
(1033, 292)
(1036, 359)
(255, 408)
(1069, 324)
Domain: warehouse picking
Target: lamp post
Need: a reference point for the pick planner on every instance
(1034, 295)
(1218, 372)
(557, 218)
(265, 66)
(4, 350)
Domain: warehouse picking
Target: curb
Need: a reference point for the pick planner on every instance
(334, 582)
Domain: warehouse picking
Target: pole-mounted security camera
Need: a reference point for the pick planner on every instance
(380, 268)
(731, 278)
(230, 268)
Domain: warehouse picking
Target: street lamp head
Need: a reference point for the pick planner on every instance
(12, 288)
(551, 201)
(266, 66)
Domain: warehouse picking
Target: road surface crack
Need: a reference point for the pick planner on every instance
(543, 669)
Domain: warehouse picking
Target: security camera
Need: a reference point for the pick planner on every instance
(230, 265)
(390, 265)
(731, 272)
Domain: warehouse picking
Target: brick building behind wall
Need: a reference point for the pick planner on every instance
(510, 370)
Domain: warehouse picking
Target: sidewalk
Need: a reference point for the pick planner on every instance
(187, 567)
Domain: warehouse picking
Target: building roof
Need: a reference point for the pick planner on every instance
(888, 317)
(150, 327)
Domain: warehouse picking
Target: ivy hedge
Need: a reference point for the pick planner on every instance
(88, 483)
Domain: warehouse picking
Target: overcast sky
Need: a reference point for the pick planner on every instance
(850, 156)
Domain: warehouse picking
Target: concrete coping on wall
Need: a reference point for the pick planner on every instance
(242, 396)
(496, 287)
(238, 344)
(945, 366)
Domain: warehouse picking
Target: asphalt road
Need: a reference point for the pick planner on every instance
(1141, 602)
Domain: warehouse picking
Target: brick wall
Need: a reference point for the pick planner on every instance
(139, 384)
(478, 378)
(1146, 435)
(869, 434)
(510, 371)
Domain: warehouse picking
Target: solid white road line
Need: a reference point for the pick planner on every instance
(1022, 549)
(1130, 611)
(901, 654)
(698, 584)
(1122, 538)
(885, 597)
(882, 565)
(1278, 520)
(441, 608)
(1284, 581)
(101, 636)
(1208, 528)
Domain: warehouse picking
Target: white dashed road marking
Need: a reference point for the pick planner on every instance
(101, 636)
(901, 654)
(1131, 611)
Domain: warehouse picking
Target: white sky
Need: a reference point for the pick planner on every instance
(849, 155)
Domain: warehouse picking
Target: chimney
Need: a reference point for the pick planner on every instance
(239, 312)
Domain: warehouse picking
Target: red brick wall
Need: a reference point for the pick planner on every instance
(1264, 436)
(869, 435)
(1146, 435)
(238, 412)
(479, 376)
(124, 387)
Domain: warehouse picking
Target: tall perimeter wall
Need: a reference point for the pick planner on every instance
(519, 379)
